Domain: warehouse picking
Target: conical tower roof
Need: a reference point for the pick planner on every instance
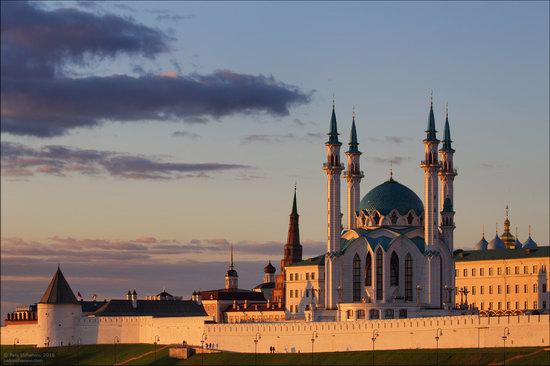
(482, 244)
(530, 244)
(333, 133)
(353, 144)
(58, 291)
(430, 130)
(447, 142)
(496, 244)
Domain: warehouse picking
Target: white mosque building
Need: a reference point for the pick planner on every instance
(394, 258)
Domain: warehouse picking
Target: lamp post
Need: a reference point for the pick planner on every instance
(438, 333)
(418, 289)
(257, 337)
(47, 342)
(115, 341)
(504, 338)
(375, 335)
(15, 341)
(203, 338)
(78, 341)
(313, 336)
(157, 339)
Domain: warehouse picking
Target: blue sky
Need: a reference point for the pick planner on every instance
(488, 60)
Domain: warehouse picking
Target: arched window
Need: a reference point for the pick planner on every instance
(356, 278)
(393, 218)
(368, 270)
(375, 219)
(394, 270)
(410, 218)
(408, 278)
(379, 275)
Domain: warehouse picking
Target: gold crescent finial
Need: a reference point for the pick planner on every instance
(506, 211)
(432, 96)
(354, 112)
(447, 110)
(333, 101)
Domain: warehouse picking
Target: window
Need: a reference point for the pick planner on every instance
(535, 305)
(393, 218)
(535, 288)
(394, 270)
(516, 270)
(356, 278)
(490, 306)
(543, 268)
(507, 289)
(379, 275)
(517, 289)
(465, 272)
(482, 290)
(507, 305)
(473, 290)
(499, 305)
(544, 288)
(490, 271)
(368, 270)
(508, 270)
(473, 272)
(544, 304)
(534, 269)
(403, 314)
(307, 292)
(525, 289)
(482, 271)
(349, 314)
(457, 273)
(525, 305)
(499, 271)
(292, 277)
(312, 275)
(291, 295)
(525, 269)
(499, 289)
(490, 290)
(482, 306)
(360, 314)
(517, 305)
(374, 314)
(408, 278)
(388, 314)
(307, 276)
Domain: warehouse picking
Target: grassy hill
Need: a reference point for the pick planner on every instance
(105, 355)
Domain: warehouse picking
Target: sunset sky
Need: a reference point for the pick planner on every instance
(139, 140)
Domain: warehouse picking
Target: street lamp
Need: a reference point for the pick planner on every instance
(157, 339)
(418, 289)
(504, 338)
(115, 341)
(313, 336)
(47, 342)
(438, 333)
(257, 337)
(15, 341)
(203, 338)
(375, 335)
(78, 341)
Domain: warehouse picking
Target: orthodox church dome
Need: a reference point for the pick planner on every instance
(392, 195)
(482, 244)
(269, 268)
(496, 243)
(530, 244)
(518, 244)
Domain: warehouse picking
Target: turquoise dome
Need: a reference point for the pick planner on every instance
(392, 195)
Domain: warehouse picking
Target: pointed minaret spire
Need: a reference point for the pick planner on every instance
(431, 131)
(447, 133)
(333, 133)
(231, 261)
(293, 248)
(353, 143)
(294, 205)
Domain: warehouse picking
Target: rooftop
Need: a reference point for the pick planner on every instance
(156, 308)
(486, 255)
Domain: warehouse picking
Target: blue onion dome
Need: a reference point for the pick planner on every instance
(518, 244)
(392, 195)
(530, 244)
(269, 268)
(496, 243)
(482, 244)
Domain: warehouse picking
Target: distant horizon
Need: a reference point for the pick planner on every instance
(135, 153)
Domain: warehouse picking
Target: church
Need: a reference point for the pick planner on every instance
(394, 257)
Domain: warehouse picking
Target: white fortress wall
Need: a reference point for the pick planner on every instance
(458, 332)
(24, 333)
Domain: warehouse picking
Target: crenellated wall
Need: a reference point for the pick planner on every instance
(458, 332)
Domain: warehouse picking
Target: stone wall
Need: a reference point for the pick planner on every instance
(458, 332)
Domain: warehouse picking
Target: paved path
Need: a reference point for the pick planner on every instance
(519, 357)
(142, 355)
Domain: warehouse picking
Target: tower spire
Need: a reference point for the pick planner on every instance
(353, 143)
(231, 262)
(294, 205)
(333, 132)
(447, 142)
(431, 131)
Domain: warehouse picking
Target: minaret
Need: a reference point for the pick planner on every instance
(231, 277)
(333, 168)
(447, 174)
(430, 165)
(293, 248)
(353, 176)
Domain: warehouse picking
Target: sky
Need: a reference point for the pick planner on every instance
(140, 140)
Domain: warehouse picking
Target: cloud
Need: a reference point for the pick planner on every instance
(267, 139)
(191, 135)
(392, 139)
(41, 97)
(19, 160)
(396, 160)
(173, 17)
